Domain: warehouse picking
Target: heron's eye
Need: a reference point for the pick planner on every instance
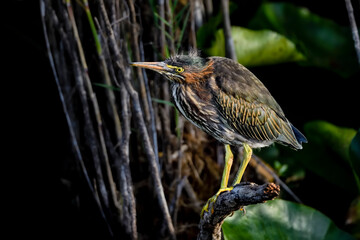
(179, 69)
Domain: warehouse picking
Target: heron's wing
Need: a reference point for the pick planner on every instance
(255, 121)
(248, 107)
(236, 80)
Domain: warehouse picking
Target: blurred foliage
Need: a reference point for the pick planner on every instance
(175, 23)
(326, 154)
(353, 218)
(206, 33)
(323, 42)
(355, 157)
(256, 48)
(334, 137)
(280, 219)
(302, 36)
(285, 166)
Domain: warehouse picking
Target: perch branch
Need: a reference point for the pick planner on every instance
(243, 194)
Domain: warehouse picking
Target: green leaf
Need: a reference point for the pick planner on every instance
(355, 157)
(162, 19)
(256, 48)
(281, 220)
(107, 86)
(331, 136)
(326, 153)
(163, 102)
(324, 43)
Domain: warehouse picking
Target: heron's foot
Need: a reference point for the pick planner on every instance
(213, 199)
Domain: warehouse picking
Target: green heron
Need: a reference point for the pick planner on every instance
(227, 101)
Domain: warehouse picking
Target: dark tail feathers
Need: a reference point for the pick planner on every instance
(299, 136)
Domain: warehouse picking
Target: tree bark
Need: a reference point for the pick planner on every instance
(229, 42)
(243, 194)
(354, 29)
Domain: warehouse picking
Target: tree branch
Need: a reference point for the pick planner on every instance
(229, 43)
(243, 194)
(48, 14)
(123, 66)
(354, 29)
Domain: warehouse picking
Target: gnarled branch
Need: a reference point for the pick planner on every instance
(243, 194)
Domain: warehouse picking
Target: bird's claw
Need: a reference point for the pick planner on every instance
(213, 200)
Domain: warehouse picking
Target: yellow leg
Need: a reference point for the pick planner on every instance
(224, 180)
(228, 163)
(244, 162)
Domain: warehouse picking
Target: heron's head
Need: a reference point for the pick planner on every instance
(183, 69)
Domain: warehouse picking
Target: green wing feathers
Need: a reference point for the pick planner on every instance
(256, 121)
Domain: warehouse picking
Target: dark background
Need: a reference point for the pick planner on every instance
(39, 138)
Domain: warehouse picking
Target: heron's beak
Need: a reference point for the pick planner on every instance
(156, 66)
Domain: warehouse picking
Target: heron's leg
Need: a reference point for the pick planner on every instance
(227, 167)
(244, 162)
(224, 180)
